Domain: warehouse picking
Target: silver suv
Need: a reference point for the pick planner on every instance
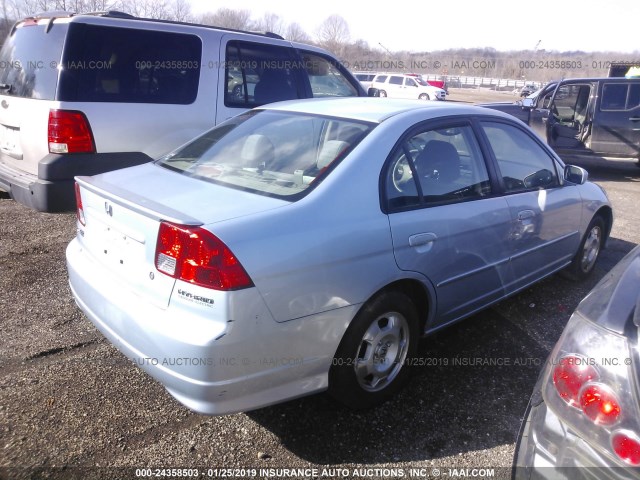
(85, 94)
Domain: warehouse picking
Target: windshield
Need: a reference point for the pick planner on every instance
(272, 153)
(421, 81)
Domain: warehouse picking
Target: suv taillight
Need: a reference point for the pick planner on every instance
(197, 256)
(590, 386)
(79, 207)
(69, 132)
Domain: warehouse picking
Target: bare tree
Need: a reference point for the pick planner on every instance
(229, 18)
(180, 10)
(333, 34)
(295, 33)
(271, 22)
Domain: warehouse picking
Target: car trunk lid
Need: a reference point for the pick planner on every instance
(123, 211)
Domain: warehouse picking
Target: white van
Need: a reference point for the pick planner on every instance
(84, 94)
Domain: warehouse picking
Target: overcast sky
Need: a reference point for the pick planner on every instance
(427, 25)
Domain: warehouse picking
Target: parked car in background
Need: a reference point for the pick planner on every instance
(85, 94)
(243, 250)
(365, 79)
(528, 89)
(397, 85)
(584, 117)
(583, 420)
(441, 82)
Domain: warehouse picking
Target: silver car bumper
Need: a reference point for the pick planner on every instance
(212, 365)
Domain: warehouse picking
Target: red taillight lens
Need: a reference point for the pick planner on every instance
(79, 207)
(69, 132)
(627, 447)
(600, 404)
(197, 256)
(570, 374)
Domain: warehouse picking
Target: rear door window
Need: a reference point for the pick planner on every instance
(29, 59)
(259, 73)
(110, 64)
(620, 96)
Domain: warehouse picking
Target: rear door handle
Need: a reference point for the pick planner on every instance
(420, 239)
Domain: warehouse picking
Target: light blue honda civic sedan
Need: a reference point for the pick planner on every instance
(308, 245)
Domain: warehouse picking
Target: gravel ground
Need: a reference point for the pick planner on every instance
(71, 406)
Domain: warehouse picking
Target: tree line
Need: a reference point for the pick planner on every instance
(333, 34)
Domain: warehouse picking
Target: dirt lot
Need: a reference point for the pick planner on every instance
(72, 405)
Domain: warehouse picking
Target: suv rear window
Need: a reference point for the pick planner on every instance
(29, 60)
(110, 64)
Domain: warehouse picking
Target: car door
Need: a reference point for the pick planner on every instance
(395, 87)
(410, 88)
(445, 221)
(570, 116)
(617, 120)
(545, 213)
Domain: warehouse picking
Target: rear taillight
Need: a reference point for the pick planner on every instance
(627, 446)
(69, 132)
(197, 256)
(590, 386)
(79, 207)
(599, 404)
(569, 376)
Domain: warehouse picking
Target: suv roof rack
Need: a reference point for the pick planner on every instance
(119, 14)
(53, 15)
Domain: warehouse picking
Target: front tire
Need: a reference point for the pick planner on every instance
(585, 260)
(423, 96)
(371, 363)
(383, 93)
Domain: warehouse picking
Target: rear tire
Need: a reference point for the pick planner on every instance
(383, 93)
(373, 359)
(589, 252)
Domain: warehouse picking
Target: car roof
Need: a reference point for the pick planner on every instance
(377, 110)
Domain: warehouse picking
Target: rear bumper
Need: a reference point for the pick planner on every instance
(547, 448)
(52, 189)
(224, 360)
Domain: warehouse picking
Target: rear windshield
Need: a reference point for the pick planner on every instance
(29, 61)
(110, 64)
(279, 154)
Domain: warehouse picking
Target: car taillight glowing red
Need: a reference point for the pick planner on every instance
(69, 132)
(79, 207)
(197, 256)
(570, 374)
(599, 403)
(627, 447)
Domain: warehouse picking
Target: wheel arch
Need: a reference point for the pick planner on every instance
(607, 215)
(421, 295)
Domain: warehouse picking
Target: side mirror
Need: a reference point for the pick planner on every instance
(528, 103)
(373, 92)
(576, 175)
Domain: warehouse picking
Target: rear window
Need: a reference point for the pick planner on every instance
(277, 154)
(29, 61)
(110, 64)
